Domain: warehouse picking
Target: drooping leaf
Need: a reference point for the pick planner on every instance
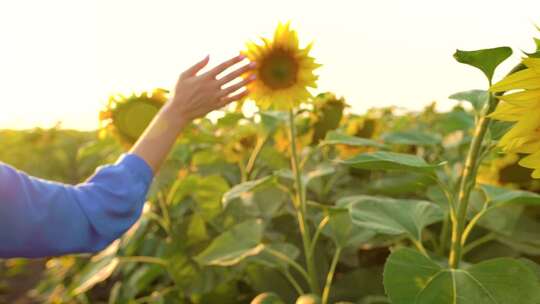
(321, 170)
(235, 244)
(486, 60)
(261, 198)
(499, 196)
(340, 225)
(412, 278)
(336, 138)
(93, 273)
(241, 189)
(390, 161)
(413, 138)
(392, 216)
(477, 98)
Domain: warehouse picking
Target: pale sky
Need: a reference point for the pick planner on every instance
(60, 59)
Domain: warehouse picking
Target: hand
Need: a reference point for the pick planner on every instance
(197, 95)
(194, 96)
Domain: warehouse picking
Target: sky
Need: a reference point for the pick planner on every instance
(61, 59)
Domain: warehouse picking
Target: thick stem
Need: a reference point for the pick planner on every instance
(330, 276)
(468, 182)
(301, 209)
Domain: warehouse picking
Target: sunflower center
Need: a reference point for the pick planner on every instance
(279, 70)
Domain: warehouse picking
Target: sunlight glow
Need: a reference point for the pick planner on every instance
(61, 59)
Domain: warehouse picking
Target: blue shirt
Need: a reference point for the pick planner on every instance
(39, 218)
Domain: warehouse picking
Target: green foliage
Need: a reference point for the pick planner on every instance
(410, 277)
(486, 60)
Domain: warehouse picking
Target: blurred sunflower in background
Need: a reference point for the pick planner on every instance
(126, 118)
(521, 105)
(326, 115)
(284, 70)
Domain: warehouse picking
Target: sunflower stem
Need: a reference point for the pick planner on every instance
(301, 209)
(468, 182)
(330, 276)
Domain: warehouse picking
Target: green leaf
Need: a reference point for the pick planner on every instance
(390, 161)
(260, 198)
(400, 184)
(271, 120)
(321, 170)
(412, 278)
(498, 128)
(242, 189)
(456, 120)
(340, 225)
(486, 60)
(93, 273)
(232, 246)
(336, 138)
(392, 216)
(477, 98)
(413, 138)
(499, 197)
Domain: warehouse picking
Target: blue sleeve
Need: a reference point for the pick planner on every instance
(40, 218)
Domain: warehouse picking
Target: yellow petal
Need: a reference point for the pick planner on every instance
(528, 79)
(532, 63)
(526, 99)
(509, 112)
(522, 133)
(532, 161)
(536, 173)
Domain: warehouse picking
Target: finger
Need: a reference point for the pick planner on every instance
(228, 99)
(192, 71)
(225, 65)
(237, 86)
(236, 73)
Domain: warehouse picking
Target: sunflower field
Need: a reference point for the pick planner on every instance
(305, 201)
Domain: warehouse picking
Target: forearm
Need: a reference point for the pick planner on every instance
(157, 140)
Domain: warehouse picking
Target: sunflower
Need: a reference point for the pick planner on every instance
(127, 117)
(522, 106)
(284, 70)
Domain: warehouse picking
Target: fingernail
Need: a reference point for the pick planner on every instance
(241, 56)
(252, 77)
(252, 64)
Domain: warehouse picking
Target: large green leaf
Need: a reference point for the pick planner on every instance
(498, 196)
(412, 278)
(392, 216)
(414, 138)
(235, 244)
(486, 60)
(336, 138)
(477, 98)
(390, 161)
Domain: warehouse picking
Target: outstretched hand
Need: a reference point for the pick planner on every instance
(196, 94)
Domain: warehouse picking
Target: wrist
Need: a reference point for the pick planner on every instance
(173, 116)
